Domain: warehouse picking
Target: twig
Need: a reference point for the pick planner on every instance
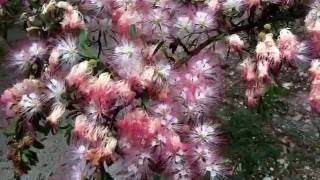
(197, 50)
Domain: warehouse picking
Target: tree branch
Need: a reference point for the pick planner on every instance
(292, 13)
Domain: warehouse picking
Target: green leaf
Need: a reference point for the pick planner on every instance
(133, 31)
(85, 49)
(25, 158)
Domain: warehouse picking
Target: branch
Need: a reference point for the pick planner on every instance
(292, 13)
(197, 50)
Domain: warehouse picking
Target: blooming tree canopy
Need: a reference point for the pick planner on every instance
(136, 82)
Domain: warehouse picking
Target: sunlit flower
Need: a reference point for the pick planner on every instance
(205, 134)
(56, 114)
(68, 51)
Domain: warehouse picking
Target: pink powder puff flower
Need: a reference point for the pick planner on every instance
(203, 21)
(103, 152)
(167, 115)
(101, 97)
(72, 18)
(79, 74)
(100, 139)
(56, 90)
(56, 114)
(288, 45)
(205, 134)
(27, 54)
(248, 70)
(157, 23)
(81, 128)
(214, 5)
(254, 92)
(204, 67)
(314, 69)
(184, 26)
(123, 20)
(30, 104)
(127, 59)
(68, 51)
(199, 155)
(312, 25)
(124, 93)
(53, 62)
(263, 70)
(24, 99)
(235, 42)
(138, 128)
(314, 97)
(267, 50)
(208, 95)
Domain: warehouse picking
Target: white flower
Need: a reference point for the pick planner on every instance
(204, 134)
(30, 104)
(203, 20)
(27, 55)
(230, 5)
(36, 49)
(127, 58)
(56, 89)
(68, 50)
(20, 59)
(126, 51)
(235, 41)
(184, 24)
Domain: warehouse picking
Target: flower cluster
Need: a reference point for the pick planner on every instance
(115, 73)
(270, 56)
